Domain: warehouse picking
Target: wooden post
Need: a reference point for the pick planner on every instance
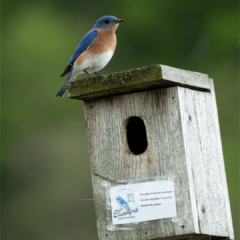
(179, 111)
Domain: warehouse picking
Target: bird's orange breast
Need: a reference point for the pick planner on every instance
(105, 41)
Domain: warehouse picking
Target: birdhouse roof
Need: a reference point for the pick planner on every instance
(136, 80)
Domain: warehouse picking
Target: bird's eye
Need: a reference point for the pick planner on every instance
(107, 21)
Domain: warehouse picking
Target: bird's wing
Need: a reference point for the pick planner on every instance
(83, 46)
(125, 205)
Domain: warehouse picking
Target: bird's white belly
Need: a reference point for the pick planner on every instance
(94, 63)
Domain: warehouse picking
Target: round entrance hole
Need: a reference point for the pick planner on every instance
(136, 135)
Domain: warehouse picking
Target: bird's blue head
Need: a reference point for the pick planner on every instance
(107, 22)
(119, 198)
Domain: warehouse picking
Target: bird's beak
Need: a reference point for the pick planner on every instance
(119, 20)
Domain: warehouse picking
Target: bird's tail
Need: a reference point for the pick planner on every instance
(63, 89)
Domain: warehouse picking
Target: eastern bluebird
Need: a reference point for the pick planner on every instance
(122, 203)
(94, 51)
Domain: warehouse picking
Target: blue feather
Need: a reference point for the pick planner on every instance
(84, 44)
(63, 89)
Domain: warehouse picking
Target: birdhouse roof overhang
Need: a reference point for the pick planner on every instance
(136, 80)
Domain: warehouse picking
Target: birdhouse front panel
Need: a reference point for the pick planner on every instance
(161, 133)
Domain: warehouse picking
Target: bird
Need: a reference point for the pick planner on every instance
(123, 203)
(93, 52)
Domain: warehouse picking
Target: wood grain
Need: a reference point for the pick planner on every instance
(183, 141)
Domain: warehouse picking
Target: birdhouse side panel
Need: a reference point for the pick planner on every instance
(205, 161)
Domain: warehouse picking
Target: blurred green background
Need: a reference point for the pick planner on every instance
(44, 155)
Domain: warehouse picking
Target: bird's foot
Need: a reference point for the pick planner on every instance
(98, 74)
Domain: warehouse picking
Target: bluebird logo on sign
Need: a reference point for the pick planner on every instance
(126, 203)
(122, 204)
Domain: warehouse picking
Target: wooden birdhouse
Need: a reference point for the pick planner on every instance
(150, 123)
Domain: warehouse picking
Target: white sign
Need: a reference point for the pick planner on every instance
(143, 202)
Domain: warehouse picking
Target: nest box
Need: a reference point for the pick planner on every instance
(158, 121)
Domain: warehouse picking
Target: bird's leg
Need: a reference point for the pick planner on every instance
(98, 74)
(87, 72)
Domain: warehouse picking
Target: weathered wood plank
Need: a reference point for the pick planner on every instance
(206, 171)
(221, 162)
(152, 77)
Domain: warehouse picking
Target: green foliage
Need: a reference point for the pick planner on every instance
(45, 166)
